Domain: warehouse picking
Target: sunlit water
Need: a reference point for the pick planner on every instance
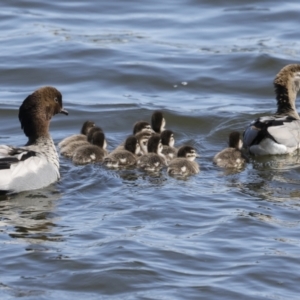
(106, 234)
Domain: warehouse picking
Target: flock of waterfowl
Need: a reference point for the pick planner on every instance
(150, 147)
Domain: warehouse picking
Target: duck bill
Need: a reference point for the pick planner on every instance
(64, 111)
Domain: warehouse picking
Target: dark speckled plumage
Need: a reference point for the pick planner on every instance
(153, 161)
(124, 157)
(231, 157)
(184, 164)
(93, 152)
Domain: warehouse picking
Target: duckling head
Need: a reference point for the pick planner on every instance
(142, 126)
(132, 145)
(235, 140)
(92, 131)
(155, 145)
(86, 127)
(187, 152)
(158, 121)
(167, 138)
(98, 139)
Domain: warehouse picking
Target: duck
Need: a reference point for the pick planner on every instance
(158, 122)
(93, 152)
(35, 165)
(124, 157)
(86, 127)
(231, 157)
(154, 160)
(278, 133)
(168, 141)
(69, 149)
(184, 164)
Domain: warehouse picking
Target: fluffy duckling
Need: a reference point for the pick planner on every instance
(184, 164)
(154, 160)
(231, 157)
(87, 125)
(168, 141)
(36, 165)
(278, 133)
(93, 152)
(69, 149)
(125, 157)
(158, 121)
(142, 126)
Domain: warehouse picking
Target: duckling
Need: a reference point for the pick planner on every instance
(278, 133)
(126, 157)
(231, 157)
(93, 152)
(87, 125)
(168, 141)
(142, 126)
(69, 150)
(154, 160)
(184, 164)
(158, 122)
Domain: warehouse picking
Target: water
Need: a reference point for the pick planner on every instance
(106, 234)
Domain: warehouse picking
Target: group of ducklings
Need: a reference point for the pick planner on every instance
(151, 148)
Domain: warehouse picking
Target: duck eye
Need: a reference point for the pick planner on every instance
(56, 99)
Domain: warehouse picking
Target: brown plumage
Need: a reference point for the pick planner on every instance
(37, 110)
(286, 89)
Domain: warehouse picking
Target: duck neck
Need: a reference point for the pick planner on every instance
(286, 98)
(36, 129)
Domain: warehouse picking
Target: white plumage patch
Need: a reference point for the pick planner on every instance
(268, 146)
(24, 169)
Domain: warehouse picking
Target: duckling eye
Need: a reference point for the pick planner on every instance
(56, 99)
(145, 143)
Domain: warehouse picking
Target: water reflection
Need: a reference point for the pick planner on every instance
(272, 178)
(30, 215)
